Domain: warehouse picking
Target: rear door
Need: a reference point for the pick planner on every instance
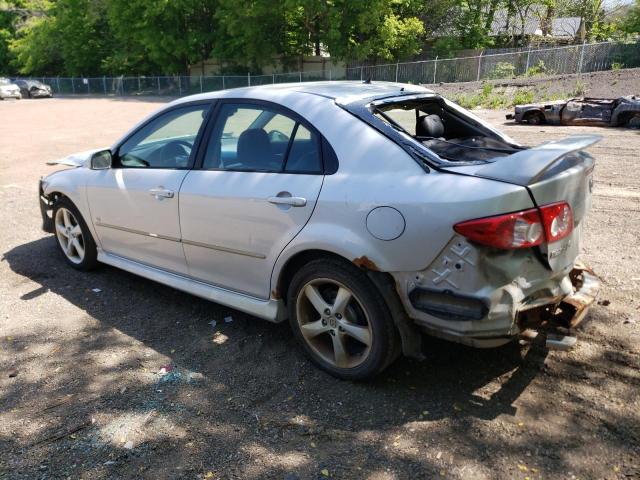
(257, 185)
(134, 204)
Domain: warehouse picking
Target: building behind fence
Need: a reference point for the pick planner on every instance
(550, 61)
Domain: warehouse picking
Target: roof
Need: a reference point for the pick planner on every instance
(531, 24)
(344, 91)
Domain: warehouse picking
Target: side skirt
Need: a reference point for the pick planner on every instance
(271, 310)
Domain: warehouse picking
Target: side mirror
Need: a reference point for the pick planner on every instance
(101, 160)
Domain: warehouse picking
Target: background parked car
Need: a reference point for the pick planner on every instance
(8, 89)
(605, 112)
(33, 89)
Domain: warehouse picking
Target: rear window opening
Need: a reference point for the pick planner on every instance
(444, 129)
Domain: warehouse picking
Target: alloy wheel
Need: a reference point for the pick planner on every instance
(69, 235)
(334, 323)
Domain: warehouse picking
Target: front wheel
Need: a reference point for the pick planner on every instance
(73, 235)
(341, 320)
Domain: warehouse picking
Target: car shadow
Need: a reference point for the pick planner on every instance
(255, 394)
(449, 383)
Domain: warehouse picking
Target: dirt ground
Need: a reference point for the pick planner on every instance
(81, 396)
(607, 84)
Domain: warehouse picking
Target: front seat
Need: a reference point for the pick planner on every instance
(429, 126)
(254, 150)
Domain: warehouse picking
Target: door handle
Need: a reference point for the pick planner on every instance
(161, 193)
(291, 201)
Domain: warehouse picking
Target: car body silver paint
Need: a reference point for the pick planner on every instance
(374, 172)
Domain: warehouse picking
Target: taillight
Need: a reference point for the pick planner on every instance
(524, 229)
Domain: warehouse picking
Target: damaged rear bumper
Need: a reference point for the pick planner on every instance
(489, 299)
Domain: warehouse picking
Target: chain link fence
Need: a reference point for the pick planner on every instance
(527, 61)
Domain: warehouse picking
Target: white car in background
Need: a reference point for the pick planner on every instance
(9, 90)
(366, 214)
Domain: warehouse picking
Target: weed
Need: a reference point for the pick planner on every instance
(580, 89)
(502, 70)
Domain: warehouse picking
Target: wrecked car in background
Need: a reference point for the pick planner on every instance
(365, 214)
(34, 89)
(9, 90)
(619, 112)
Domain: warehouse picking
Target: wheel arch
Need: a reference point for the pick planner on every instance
(534, 111)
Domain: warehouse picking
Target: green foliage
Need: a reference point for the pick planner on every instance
(538, 69)
(617, 66)
(502, 70)
(579, 89)
(522, 97)
(631, 24)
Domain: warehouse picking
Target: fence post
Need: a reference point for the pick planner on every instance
(397, 64)
(479, 66)
(200, 83)
(581, 56)
(249, 78)
(223, 87)
(104, 84)
(139, 84)
(300, 75)
(435, 70)
(528, 55)
(330, 75)
(73, 87)
(361, 72)
(58, 83)
(179, 85)
(273, 78)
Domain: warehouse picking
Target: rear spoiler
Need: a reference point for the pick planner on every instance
(527, 166)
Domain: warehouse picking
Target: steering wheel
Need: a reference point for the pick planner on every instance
(171, 153)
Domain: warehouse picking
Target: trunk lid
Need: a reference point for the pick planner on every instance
(553, 172)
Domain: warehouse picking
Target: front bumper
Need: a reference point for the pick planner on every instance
(486, 298)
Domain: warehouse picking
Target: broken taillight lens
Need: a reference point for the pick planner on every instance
(524, 229)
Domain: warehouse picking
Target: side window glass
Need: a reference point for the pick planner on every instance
(304, 154)
(165, 142)
(250, 138)
(256, 138)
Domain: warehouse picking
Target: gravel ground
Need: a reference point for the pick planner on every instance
(81, 397)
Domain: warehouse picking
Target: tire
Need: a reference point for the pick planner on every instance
(73, 236)
(341, 320)
(535, 118)
(634, 121)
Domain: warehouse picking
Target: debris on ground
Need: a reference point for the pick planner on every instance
(228, 319)
(96, 290)
(213, 323)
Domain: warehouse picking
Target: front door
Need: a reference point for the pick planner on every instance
(134, 205)
(260, 178)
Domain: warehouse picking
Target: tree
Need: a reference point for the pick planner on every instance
(631, 23)
(172, 34)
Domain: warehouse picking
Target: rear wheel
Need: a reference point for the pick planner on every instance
(341, 320)
(73, 235)
(634, 121)
(534, 118)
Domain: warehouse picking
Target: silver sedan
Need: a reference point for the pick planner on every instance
(365, 214)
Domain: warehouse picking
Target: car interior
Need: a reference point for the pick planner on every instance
(442, 130)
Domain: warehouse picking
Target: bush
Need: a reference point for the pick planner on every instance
(502, 70)
(580, 89)
(522, 97)
(617, 66)
(538, 69)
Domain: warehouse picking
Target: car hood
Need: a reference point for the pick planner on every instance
(80, 159)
